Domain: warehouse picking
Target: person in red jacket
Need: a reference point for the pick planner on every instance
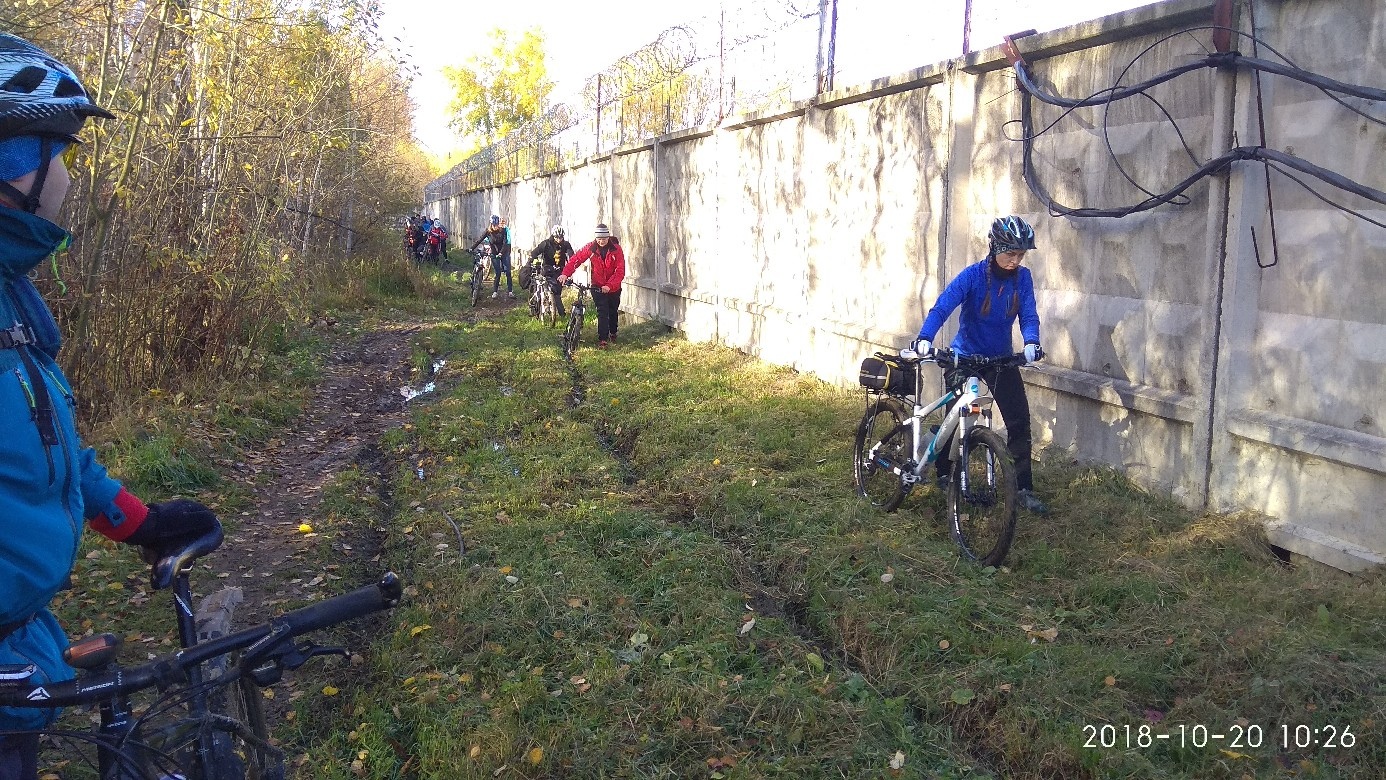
(608, 269)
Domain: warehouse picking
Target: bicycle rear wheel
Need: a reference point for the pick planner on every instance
(982, 517)
(871, 472)
(236, 755)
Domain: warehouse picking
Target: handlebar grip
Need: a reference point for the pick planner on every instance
(362, 601)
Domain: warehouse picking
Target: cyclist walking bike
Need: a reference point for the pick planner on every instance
(554, 252)
(900, 436)
(608, 269)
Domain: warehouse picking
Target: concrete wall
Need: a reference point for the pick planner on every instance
(817, 232)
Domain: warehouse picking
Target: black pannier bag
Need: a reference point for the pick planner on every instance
(526, 276)
(884, 373)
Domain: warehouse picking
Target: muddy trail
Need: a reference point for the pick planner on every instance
(268, 553)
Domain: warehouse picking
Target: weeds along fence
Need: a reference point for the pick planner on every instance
(257, 143)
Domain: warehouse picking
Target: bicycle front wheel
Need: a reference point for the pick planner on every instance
(983, 513)
(242, 753)
(573, 333)
(550, 309)
(476, 286)
(882, 448)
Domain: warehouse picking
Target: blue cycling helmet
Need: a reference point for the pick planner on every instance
(1010, 234)
(43, 106)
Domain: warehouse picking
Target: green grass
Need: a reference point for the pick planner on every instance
(695, 488)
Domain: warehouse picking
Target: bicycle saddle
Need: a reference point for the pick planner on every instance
(168, 566)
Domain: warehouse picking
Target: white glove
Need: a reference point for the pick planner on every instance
(908, 354)
(1031, 353)
(923, 346)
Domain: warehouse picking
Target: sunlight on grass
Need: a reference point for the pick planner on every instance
(674, 578)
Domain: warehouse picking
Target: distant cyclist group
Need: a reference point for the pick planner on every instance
(425, 239)
(552, 264)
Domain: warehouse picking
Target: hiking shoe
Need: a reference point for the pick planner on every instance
(1031, 502)
(601, 344)
(943, 482)
(510, 294)
(613, 337)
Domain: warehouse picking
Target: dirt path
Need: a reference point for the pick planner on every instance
(357, 402)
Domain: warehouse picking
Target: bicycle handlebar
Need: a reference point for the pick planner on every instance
(258, 641)
(947, 358)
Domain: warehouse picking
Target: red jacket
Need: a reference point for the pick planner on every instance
(608, 266)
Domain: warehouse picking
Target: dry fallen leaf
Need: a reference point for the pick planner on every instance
(1109, 681)
(897, 761)
(536, 755)
(747, 626)
(1047, 634)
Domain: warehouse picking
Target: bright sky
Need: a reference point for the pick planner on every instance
(875, 37)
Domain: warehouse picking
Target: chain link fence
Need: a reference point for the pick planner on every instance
(743, 57)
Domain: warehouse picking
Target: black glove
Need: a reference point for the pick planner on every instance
(172, 524)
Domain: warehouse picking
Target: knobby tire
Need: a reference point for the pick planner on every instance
(982, 521)
(874, 480)
(233, 758)
(573, 333)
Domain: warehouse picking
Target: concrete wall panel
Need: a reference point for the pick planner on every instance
(814, 233)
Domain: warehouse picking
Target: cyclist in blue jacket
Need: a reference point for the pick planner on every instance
(993, 294)
(50, 485)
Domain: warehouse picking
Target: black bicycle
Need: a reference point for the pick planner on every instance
(481, 262)
(576, 314)
(206, 722)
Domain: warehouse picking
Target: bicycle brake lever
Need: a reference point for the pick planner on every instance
(270, 668)
(298, 656)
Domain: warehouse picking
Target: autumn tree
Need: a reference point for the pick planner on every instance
(498, 92)
(260, 145)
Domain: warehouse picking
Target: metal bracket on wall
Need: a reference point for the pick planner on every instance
(1012, 51)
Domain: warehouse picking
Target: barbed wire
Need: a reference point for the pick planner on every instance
(693, 74)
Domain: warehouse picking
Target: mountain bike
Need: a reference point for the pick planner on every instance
(899, 436)
(479, 265)
(541, 302)
(206, 720)
(576, 315)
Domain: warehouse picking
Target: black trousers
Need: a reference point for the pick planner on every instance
(608, 307)
(1009, 391)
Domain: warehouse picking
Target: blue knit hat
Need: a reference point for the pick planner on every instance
(20, 155)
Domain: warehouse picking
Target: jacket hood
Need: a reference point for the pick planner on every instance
(26, 240)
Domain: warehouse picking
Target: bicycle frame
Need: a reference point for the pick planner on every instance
(972, 408)
(266, 650)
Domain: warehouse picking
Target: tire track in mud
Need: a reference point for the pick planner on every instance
(763, 596)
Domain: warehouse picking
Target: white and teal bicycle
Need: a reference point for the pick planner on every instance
(900, 436)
